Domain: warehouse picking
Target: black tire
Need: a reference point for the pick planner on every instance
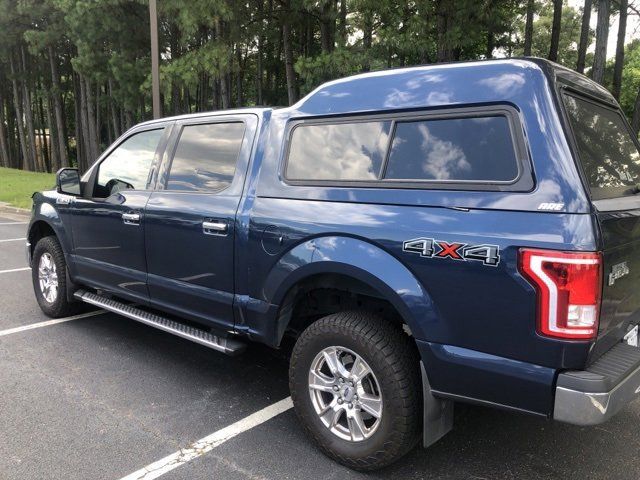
(59, 307)
(392, 357)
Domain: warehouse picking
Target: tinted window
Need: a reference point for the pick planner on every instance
(206, 156)
(609, 157)
(463, 149)
(345, 151)
(127, 167)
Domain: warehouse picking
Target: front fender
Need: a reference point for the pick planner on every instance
(46, 211)
(363, 261)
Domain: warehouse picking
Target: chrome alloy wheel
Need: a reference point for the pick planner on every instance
(48, 278)
(345, 394)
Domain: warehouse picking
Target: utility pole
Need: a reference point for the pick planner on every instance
(155, 59)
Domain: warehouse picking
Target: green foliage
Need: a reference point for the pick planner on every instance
(630, 77)
(90, 59)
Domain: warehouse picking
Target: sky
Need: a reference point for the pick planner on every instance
(633, 26)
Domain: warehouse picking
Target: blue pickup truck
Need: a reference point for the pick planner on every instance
(451, 233)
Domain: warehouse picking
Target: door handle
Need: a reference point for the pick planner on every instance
(131, 218)
(214, 228)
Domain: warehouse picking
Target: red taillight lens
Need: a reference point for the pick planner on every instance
(568, 286)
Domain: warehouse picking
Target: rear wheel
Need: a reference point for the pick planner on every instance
(355, 384)
(48, 273)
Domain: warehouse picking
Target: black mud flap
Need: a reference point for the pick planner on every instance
(437, 413)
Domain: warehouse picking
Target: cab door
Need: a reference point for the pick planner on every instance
(191, 218)
(108, 223)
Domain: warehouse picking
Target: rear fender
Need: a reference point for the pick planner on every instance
(362, 261)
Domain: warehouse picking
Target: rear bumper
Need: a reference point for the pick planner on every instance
(596, 394)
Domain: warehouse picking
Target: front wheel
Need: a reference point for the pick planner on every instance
(355, 385)
(48, 273)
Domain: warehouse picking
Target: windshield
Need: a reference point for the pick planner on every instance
(608, 154)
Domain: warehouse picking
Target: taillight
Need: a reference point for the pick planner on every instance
(568, 286)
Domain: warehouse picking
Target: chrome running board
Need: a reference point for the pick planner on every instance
(221, 344)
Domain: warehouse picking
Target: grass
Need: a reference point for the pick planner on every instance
(16, 186)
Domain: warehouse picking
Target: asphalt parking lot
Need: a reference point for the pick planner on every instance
(101, 397)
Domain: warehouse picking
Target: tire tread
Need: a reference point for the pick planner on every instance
(401, 365)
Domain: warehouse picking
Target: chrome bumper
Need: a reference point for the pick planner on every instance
(593, 396)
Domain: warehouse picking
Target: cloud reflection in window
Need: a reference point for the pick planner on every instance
(353, 151)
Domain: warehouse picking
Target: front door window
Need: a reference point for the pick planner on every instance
(127, 167)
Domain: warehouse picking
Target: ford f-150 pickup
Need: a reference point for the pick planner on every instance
(449, 233)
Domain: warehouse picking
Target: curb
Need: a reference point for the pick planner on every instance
(7, 208)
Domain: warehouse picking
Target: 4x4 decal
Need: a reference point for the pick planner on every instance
(432, 248)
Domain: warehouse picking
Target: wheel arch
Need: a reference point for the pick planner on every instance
(44, 222)
(349, 263)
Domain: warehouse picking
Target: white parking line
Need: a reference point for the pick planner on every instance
(208, 443)
(12, 240)
(15, 270)
(14, 223)
(49, 322)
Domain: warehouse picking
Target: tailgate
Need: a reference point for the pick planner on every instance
(620, 310)
(609, 157)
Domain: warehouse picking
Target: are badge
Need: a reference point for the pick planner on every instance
(429, 247)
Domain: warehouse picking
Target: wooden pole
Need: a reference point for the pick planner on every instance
(155, 59)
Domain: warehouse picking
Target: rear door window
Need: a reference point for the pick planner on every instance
(205, 157)
(607, 152)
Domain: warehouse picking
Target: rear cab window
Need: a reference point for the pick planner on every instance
(460, 150)
(607, 152)
(455, 150)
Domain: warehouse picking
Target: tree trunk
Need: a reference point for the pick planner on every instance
(215, 93)
(58, 110)
(239, 98)
(288, 56)
(77, 110)
(22, 139)
(28, 114)
(259, 54)
(44, 144)
(12, 135)
(174, 46)
(444, 48)
(489, 24)
(24, 152)
(112, 108)
(367, 38)
(223, 74)
(51, 126)
(53, 135)
(5, 160)
(619, 64)
(91, 121)
(491, 40)
(555, 30)
(259, 100)
(602, 36)
(224, 91)
(528, 29)
(635, 122)
(87, 154)
(326, 28)
(584, 36)
(343, 22)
